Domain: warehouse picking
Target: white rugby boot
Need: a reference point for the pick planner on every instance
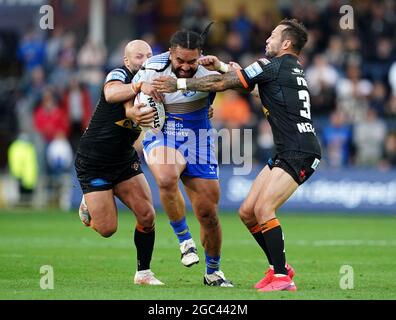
(217, 279)
(83, 212)
(146, 277)
(189, 254)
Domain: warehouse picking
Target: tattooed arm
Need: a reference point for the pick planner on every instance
(215, 83)
(211, 83)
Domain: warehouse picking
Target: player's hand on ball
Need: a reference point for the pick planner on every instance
(141, 114)
(211, 63)
(165, 84)
(148, 89)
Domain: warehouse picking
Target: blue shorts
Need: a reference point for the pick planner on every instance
(192, 136)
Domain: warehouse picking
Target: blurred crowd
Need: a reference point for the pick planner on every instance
(351, 75)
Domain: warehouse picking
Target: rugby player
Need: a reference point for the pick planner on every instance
(178, 152)
(284, 94)
(107, 164)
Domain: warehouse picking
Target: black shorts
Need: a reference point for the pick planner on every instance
(299, 165)
(93, 176)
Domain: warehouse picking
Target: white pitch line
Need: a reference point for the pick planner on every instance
(335, 243)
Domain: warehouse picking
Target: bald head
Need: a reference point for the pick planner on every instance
(136, 53)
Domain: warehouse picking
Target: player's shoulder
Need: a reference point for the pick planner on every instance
(158, 61)
(119, 74)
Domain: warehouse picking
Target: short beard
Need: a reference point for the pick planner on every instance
(192, 73)
(135, 68)
(270, 54)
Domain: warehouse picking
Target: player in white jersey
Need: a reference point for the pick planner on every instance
(184, 149)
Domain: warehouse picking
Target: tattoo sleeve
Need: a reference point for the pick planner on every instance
(216, 82)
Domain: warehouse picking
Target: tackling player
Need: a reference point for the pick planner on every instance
(179, 152)
(284, 93)
(107, 164)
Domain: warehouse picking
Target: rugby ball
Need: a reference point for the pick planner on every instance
(159, 117)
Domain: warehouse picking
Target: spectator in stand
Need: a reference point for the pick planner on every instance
(49, 118)
(389, 152)
(243, 25)
(337, 141)
(77, 105)
(60, 77)
(369, 135)
(144, 16)
(353, 51)
(322, 78)
(378, 98)
(377, 24)
(265, 142)
(378, 67)
(353, 93)
(116, 56)
(233, 48)
(31, 51)
(151, 39)
(335, 53)
(22, 163)
(390, 108)
(54, 47)
(91, 59)
(261, 30)
(59, 156)
(33, 84)
(231, 110)
(195, 15)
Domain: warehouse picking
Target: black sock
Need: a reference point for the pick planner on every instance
(259, 237)
(144, 242)
(273, 236)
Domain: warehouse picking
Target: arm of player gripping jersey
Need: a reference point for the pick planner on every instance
(211, 83)
(117, 91)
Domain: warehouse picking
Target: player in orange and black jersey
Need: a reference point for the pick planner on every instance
(107, 164)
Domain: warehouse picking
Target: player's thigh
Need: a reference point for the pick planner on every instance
(135, 193)
(166, 165)
(204, 195)
(102, 208)
(281, 186)
(258, 187)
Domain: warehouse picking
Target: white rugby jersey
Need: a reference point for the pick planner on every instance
(179, 102)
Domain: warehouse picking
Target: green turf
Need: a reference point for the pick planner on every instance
(87, 266)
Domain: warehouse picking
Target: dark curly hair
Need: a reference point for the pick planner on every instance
(296, 32)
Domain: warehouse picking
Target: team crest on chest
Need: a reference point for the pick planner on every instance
(127, 123)
(189, 93)
(266, 112)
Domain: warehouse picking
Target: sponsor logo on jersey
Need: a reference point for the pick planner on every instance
(266, 112)
(127, 124)
(297, 71)
(253, 70)
(265, 61)
(189, 93)
(315, 164)
(135, 166)
(116, 75)
(153, 104)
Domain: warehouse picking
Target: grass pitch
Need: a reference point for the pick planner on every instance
(87, 266)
